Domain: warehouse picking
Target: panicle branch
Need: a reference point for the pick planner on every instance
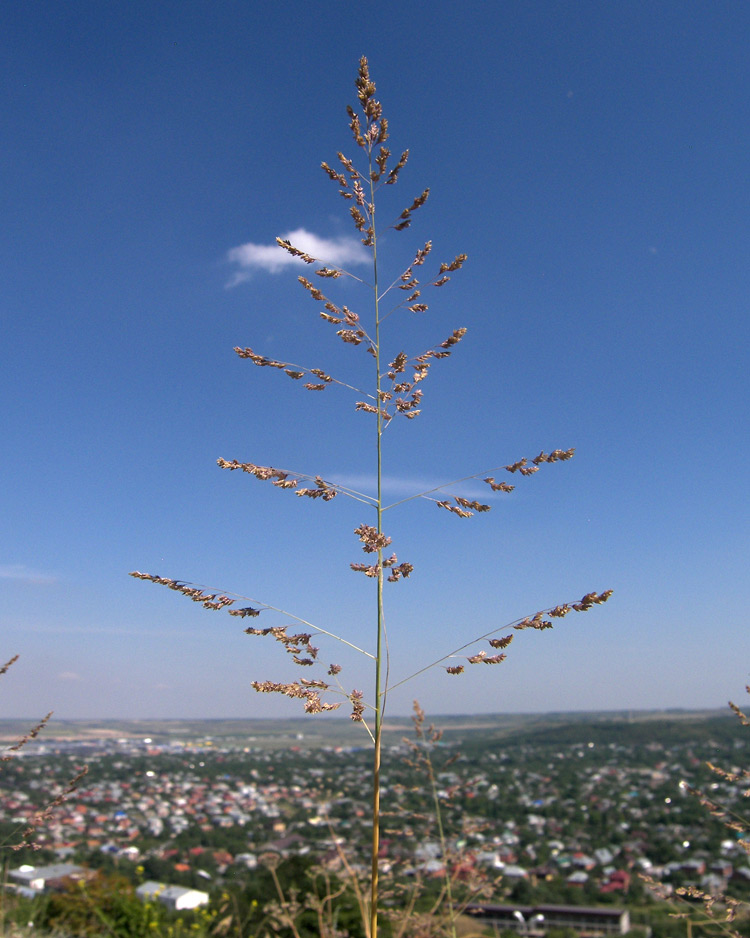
(46, 813)
(332, 271)
(32, 733)
(9, 664)
(299, 690)
(197, 595)
(557, 455)
(538, 622)
(405, 216)
(295, 252)
(280, 478)
(396, 570)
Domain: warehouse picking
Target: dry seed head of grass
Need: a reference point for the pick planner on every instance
(389, 393)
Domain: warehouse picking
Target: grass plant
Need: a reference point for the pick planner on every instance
(391, 388)
(714, 910)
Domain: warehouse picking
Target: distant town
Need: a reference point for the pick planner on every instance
(584, 812)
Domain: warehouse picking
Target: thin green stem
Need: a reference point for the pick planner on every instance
(379, 699)
(441, 836)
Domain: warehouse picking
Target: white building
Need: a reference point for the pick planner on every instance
(40, 878)
(173, 897)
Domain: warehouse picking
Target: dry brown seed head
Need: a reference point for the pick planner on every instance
(500, 642)
(356, 129)
(328, 272)
(393, 175)
(315, 387)
(371, 539)
(382, 158)
(418, 202)
(465, 503)
(421, 255)
(455, 264)
(336, 177)
(12, 661)
(498, 486)
(370, 571)
(358, 707)
(309, 286)
(347, 335)
(455, 669)
(456, 511)
(454, 338)
(295, 252)
(359, 195)
(286, 483)
(346, 162)
(399, 363)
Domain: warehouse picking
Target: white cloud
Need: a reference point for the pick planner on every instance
(68, 676)
(98, 630)
(18, 571)
(397, 487)
(337, 252)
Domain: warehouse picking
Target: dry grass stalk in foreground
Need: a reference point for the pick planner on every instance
(26, 834)
(717, 909)
(394, 390)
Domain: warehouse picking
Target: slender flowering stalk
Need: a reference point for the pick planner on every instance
(396, 390)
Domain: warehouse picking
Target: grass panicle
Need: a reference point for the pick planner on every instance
(391, 386)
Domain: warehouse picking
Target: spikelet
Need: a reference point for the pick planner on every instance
(393, 174)
(372, 540)
(197, 595)
(295, 252)
(405, 216)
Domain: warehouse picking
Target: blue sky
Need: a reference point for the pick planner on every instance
(591, 160)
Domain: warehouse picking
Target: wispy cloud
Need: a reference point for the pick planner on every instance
(98, 630)
(395, 487)
(68, 676)
(339, 252)
(18, 571)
